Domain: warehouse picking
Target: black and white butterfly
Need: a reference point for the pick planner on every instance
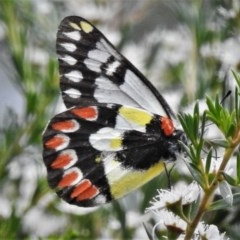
(117, 130)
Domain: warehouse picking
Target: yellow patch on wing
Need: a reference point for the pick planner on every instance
(116, 143)
(75, 26)
(135, 115)
(86, 27)
(123, 181)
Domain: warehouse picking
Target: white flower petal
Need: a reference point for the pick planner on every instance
(209, 232)
(181, 192)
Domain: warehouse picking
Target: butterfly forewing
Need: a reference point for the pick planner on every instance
(93, 71)
(117, 130)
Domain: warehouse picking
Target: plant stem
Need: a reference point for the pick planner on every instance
(209, 192)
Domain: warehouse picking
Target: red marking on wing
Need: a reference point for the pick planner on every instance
(167, 126)
(61, 161)
(85, 112)
(54, 142)
(64, 125)
(82, 186)
(85, 190)
(88, 194)
(68, 179)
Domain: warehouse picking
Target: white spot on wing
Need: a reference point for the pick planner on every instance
(98, 55)
(69, 60)
(113, 170)
(110, 163)
(93, 65)
(69, 46)
(102, 139)
(112, 67)
(75, 76)
(75, 35)
(73, 93)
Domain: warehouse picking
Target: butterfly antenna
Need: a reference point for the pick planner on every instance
(226, 96)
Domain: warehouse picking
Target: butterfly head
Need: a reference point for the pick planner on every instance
(173, 137)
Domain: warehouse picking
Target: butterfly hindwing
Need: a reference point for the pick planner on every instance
(93, 71)
(96, 153)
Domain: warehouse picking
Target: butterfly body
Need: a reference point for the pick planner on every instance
(117, 131)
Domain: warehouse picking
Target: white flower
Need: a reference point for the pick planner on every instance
(227, 13)
(209, 232)
(169, 219)
(228, 52)
(181, 192)
(176, 45)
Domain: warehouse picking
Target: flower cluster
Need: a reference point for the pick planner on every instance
(172, 208)
(179, 194)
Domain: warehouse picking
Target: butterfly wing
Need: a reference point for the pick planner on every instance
(93, 71)
(95, 154)
(110, 140)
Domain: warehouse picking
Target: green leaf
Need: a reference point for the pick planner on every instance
(237, 77)
(232, 181)
(238, 167)
(222, 204)
(195, 207)
(196, 120)
(190, 125)
(196, 174)
(218, 143)
(210, 105)
(208, 161)
(237, 105)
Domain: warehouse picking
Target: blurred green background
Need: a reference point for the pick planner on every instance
(186, 48)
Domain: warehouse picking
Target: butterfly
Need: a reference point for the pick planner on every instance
(117, 131)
